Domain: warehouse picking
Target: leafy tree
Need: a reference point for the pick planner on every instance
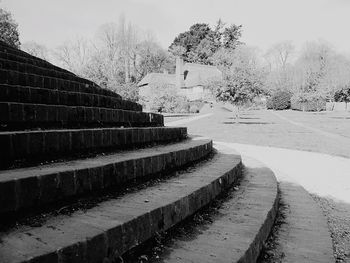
(8, 29)
(205, 49)
(242, 79)
(200, 42)
(342, 95)
(190, 40)
(152, 58)
(231, 36)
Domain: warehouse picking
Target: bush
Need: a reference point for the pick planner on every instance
(269, 104)
(280, 100)
(163, 98)
(308, 102)
(195, 106)
(170, 103)
(342, 95)
(128, 91)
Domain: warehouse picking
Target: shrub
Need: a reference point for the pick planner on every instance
(163, 98)
(128, 91)
(269, 103)
(195, 106)
(170, 103)
(308, 102)
(280, 100)
(342, 95)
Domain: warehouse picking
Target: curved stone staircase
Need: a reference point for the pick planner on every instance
(86, 176)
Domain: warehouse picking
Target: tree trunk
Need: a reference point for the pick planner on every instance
(126, 66)
(236, 113)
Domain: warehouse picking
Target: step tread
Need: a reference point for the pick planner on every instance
(15, 174)
(13, 77)
(305, 236)
(48, 70)
(20, 54)
(241, 226)
(41, 145)
(28, 115)
(45, 184)
(87, 129)
(26, 94)
(135, 216)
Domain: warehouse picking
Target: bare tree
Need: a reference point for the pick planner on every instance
(280, 54)
(74, 55)
(116, 58)
(36, 49)
(279, 58)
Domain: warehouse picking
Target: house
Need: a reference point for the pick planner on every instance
(189, 80)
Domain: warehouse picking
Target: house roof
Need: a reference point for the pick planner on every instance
(157, 78)
(199, 74)
(195, 75)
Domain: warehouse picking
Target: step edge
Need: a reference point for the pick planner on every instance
(45, 183)
(214, 186)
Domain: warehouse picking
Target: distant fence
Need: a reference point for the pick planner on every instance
(338, 106)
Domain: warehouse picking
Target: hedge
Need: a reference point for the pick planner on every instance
(280, 100)
(308, 102)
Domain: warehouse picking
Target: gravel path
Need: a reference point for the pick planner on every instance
(338, 218)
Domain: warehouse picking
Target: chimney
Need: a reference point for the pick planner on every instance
(179, 73)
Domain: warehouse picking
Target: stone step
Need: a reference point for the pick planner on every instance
(34, 146)
(19, 116)
(26, 62)
(37, 186)
(304, 234)
(12, 77)
(10, 93)
(115, 226)
(42, 70)
(11, 53)
(240, 226)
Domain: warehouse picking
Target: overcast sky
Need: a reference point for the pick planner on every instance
(265, 22)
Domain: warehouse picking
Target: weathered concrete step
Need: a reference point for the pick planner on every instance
(113, 227)
(53, 144)
(11, 53)
(304, 235)
(9, 93)
(19, 116)
(12, 77)
(36, 186)
(241, 225)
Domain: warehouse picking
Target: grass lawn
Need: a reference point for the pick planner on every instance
(262, 127)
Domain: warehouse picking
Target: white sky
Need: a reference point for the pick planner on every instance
(265, 22)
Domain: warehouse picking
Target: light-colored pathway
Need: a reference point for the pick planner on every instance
(322, 174)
